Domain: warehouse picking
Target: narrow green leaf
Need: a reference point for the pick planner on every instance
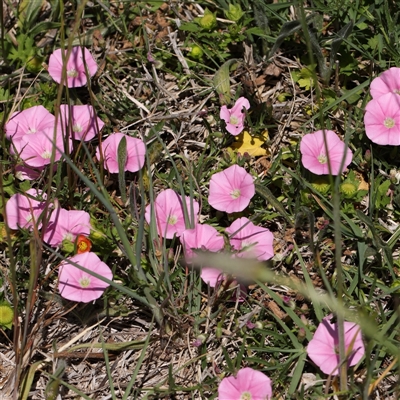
(121, 168)
(222, 83)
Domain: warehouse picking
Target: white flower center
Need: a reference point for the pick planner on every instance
(68, 236)
(322, 159)
(246, 396)
(235, 194)
(84, 282)
(31, 130)
(234, 120)
(172, 220)
(46, 154)
(77, 128)
(397, 91)
(389, 122)
(72, 73)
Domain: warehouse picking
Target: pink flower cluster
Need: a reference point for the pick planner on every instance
(230, 190)
(382, 113)
(38, 138)
(26, 211)
(322, 350)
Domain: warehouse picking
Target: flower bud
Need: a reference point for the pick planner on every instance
(208, 21)
(196, 52)
(6, 315)
(234, 12)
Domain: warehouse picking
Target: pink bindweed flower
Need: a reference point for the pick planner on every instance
(135, 153)
(169, 213)
(28, 121)
(203, 237)
(323, 348)
(231, 190)
(84, 124)
(251, 241)
(24, 210)
(75, 67)
(36, 149)
(382, 120)
(315, 157)
(211, 276)
(23, 172)
(387, 82)
(248, 384)
(66, 225)
(234, 117)
(77, 285)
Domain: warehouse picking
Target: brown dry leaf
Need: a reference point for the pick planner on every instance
(276, 310)
(272, 70)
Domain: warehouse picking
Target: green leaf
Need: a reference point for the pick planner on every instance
(121, 168)
(189, 27)
(222, 83)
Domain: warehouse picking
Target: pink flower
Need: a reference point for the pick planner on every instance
(211, 276)
(168, 209)
(231, 190)
(323, 347)
(203, 237)
(24, 211)
(28, 121)
(315, 157)
(382, 120)
(251, 241)
(84, 124)
(75, 74)
(248, 384)
(76, 285)
(387, 82)
(234, 117)
(64, 224)
(135, 153)
(36, 149)
(23, 172)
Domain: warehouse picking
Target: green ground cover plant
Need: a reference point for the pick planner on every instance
(199, 200)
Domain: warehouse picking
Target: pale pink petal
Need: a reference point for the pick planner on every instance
(211, 276)
(241, 103)
(315, 153)
(28, 121)
(84, 125)
(378, 112)
(135, 153)
(323, 348)
(66, 224)
(203, 237)
(23, 172)
(235, 117)
(76, 285)
(75, 67)
(231, 190)
(251, 241)
(387, 82)
(25, 210)
(36, 149)
(169, 213)
(247, 381)
(224, 114)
